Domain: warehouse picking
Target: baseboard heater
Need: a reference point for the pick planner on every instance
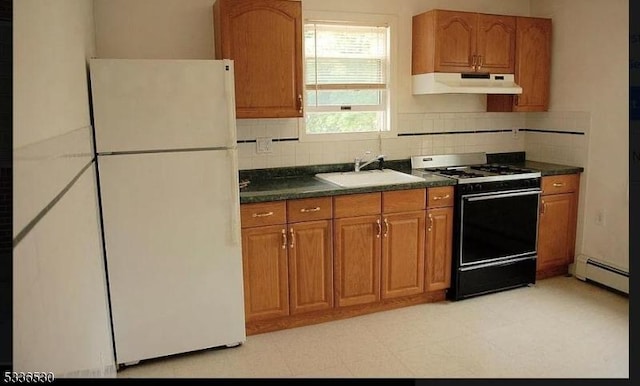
(590, 269)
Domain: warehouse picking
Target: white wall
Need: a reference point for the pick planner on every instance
(138, 29)
(154, 29)
(590, 67)
(60, 312)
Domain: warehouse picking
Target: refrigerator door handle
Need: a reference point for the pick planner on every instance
(235, 207)
(231, 99)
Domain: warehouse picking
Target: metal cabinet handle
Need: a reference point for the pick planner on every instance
(474, 60)
(479, 62)
(307, 210)
(430, 222)
(436, 198)
(293, 237)
(386, 227)
(284, 239)
(558, 184)
(379, 228)
(263, 214)
(515, 100)
(544, 207)
(300, 103)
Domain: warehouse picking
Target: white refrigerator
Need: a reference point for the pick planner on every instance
(168, 180)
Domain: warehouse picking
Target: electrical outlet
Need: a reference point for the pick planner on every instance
(600, 218)
(264, 145)
(515, 133)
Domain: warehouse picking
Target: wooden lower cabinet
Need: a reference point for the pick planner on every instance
(438, 248)
(312, 260)
(357, 260)
(310, 266)
(556, 232)
(403, 254)
(557, 224)
(265, 272)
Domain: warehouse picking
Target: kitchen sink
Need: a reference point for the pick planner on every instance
(368, 178)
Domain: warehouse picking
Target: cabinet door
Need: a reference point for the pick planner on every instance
(264, 260)
(438, 248)
(356, 267)
(403, 254)
(310, 266)
(264, 38)
(496, 43)
(556, 230)
(455, 41)
(533, 63)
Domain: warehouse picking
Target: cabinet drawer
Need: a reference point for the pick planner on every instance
(560, 184)
(309, 209)
(440, 197)
(263, 213)
(403, 200)
(354, 205)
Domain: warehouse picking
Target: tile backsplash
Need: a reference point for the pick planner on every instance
(559, 137)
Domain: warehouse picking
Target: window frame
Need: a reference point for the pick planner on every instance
(350, 18)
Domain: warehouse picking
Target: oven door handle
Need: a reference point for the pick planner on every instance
(498, 263)
(501, 195)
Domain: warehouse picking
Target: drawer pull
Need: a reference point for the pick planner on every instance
(436, 198)
(386, 227)
(379, 228)
(307, 210)
(263, 214)
(558, 184)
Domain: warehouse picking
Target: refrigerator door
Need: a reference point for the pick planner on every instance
(144, 104)
(172, 239)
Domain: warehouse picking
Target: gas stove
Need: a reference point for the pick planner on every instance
(469, 168)
(495, 222)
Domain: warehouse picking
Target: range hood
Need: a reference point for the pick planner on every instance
(464, 83)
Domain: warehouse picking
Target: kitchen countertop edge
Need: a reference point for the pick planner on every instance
(334, 190)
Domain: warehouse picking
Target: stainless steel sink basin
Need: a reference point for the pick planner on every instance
(368, 178)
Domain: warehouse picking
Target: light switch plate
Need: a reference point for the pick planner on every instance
(264, 145)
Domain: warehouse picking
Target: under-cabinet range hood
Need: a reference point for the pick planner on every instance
(464, 83)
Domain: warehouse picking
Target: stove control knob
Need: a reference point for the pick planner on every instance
(478, 187)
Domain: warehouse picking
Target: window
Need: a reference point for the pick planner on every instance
(347, 72)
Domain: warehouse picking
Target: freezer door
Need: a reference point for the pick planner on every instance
(144, 104)
(173, 251)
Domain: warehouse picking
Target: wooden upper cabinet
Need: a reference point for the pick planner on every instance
(533, 63)
(453, 41)
(532, 68)
(264, 39)
(496, 43)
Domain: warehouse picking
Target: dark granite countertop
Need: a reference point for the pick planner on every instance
(292, 183)
(518, 159)
(300, 182)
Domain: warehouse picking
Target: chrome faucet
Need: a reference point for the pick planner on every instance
(358, 165)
